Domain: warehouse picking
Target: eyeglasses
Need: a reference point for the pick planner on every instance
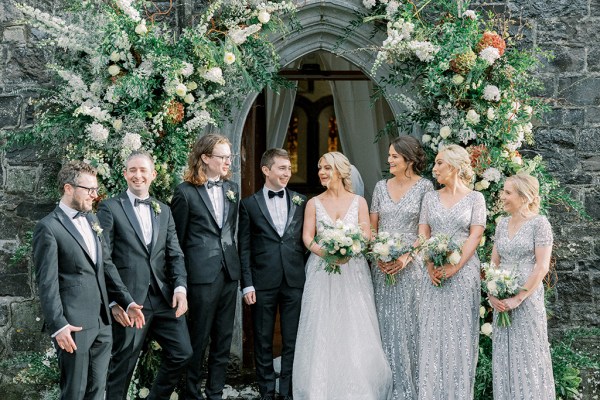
(224, 158)
(90, 190)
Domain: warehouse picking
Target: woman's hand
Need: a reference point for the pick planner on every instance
(512, 302)
(390, 267)
(446, 272)
(496, 303)
(341, 261)
(432, 274)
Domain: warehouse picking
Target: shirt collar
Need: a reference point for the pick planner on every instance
(71, 212)
(266, 192)
(132, 197)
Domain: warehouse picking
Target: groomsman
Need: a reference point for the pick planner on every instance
(140, 232)
(205, 208)
(75, 278)
(272, 257)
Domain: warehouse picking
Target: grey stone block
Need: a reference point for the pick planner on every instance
(550, 8)
(21, 179)
(589, 139)
(580, 90)
(554, 30)
(26, 330)
(10, 111)
(566, 59)
(591, 164)
(16, 35)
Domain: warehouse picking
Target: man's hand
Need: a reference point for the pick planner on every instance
(120, 315)
(65, 340)
(180, 302)
(136, 316)
(250, 298)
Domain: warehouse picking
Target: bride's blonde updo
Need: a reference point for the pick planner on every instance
(458, 158)
(339, 163)
(528, 189)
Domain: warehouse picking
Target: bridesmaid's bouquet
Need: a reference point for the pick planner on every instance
(440, 250)
(502, 284)
(341, 242)
(387, 247)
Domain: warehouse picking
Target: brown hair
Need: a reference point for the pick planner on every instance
(412, 152)
(139, 153)
(341, 164)
(528, 188)
(70, 173)
(196, 169)
(268, 157)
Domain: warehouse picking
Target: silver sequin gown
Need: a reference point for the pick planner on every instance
(521, 363)
(397, 305)
(338, 349)
(449, 315)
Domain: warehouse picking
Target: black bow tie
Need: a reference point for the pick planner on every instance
(137, 202)
(80, 214)
(273, 194)
(210, 184)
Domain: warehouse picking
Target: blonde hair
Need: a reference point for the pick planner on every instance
(528, 188)
(340, 163)
(458, 158)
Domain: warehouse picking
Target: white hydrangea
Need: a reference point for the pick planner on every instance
(264, 16)
(95, 112)
(423, 50)
(492, 175)
(214, 74)
(239, 35)
(472, 117)
(200, 120)
(491, 114)
(132, 141)
(127, 8)
(369, 4)
(97, 132)
(187, 70)
(470, 14)
(491, 93)
(466, 134)
(392, 9)
(490, 54)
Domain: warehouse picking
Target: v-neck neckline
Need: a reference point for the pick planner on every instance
(453, 205)
(510, 239)
(345, 214)
(387, 190)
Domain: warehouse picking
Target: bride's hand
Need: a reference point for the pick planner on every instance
(341, 261)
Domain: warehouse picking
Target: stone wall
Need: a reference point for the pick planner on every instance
(568, 137)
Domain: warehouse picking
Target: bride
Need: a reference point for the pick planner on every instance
(338, 349)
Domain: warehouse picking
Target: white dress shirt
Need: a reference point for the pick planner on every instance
(215, 194)
(144, 216)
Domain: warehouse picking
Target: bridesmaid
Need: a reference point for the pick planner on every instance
(395, 209)
(449, 315)
(522, 368)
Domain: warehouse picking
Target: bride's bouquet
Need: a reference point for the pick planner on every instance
(340, 242)
(440, 250)
(387, 247)
(502, 284)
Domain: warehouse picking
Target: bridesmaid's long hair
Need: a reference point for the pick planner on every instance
(528, 188)
(340, 163)
(412, 152)
(458, 158)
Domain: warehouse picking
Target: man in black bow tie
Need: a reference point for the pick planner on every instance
(76, 279)
(272, 257)
(141, 234)
(205, 208)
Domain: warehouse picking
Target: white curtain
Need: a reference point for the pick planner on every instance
(279, 107)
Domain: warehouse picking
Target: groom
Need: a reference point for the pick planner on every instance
(272, 257)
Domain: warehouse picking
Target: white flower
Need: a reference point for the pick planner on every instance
(114, 70)
(369, 3)
(528, 128)
(481, 312)
(470, 14)
(472, 117)
(229, 58)
(174, 396)
(125, 6)
(491, 93)
(143, 393)
(117, 124)
(454, 258)
(239, 35)
(181, 90)
(482, 185)
(528, 110)
(492, 287)
(264, 16)
(382, 249)
(141, 29)
(425, 138)
(214, 74)
(445, 131)
(132, 141)
(486, 329)
(187, 70)
(490, 54)
(188, 99)
(517, 160)
(356, 247)
(457, 79)
(491, 114)
(97, 132)
(423, 50)
(492, 174)
(114, 56)
(191, 85)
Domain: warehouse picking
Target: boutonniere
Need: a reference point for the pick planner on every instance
(231, 195)
(96, 227)
(297, 200)
(156, 207)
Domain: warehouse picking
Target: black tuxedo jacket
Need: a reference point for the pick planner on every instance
(73, 288)
(267, 257)
(207, 247)
(136, 262)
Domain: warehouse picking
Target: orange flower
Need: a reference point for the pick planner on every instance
(480, 158)
(175, 112)
(492, 39)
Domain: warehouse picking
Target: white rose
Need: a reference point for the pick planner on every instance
(472, 117)
(143, 393)
(481, 312)
(458, 79)
(454, 258)
(445, 131)
(491, 114)
(492, 287)
(181, 90)
(174, 396)
(383, 250)
(342, 251)
(482, 185)
(117, 124)
(114, 56)
(442, 246)
(425, 138)
(264, 16)
(356, 247)
(229, 58)
(486, 329)
(114, 70)
(141, 29)
(188, 99)
(516, 160)
(191, 85)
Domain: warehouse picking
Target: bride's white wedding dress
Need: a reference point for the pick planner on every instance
(338, 348)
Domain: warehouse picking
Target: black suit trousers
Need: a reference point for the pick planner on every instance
(287, 300)
(83, 372)
(171, 334)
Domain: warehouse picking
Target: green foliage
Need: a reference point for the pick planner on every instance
(23, 251)
(36, 370)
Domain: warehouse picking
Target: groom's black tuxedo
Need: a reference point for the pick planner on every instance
(274, 265)
(213, 270)
(151, 273)
(75, 289)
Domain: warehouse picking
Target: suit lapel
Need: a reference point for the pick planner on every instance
(204, 196)
(225, 202)
(70, 227)
(291, 208)
(93, 221)
(262, 204)
(155, 226)
(130, 213)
